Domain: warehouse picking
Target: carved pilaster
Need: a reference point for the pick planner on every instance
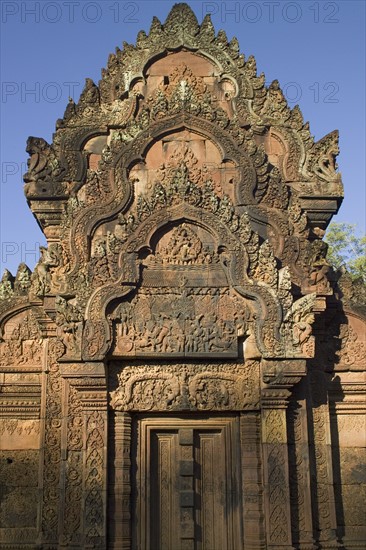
(72, 465)
(324, 514)
(254, 527)
(299, 466)
(51, 448)
(119, 489)
(84, 451)
(276, 470)
(94, 483)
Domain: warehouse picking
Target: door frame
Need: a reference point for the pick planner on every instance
(143, 426)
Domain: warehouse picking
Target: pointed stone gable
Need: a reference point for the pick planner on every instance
(182, 339)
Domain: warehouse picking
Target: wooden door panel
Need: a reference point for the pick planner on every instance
(210, 490)
(186, 484)
(163, 490)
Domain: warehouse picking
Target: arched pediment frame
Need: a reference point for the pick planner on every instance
(125, 155)
(11, 309)
(234, 261)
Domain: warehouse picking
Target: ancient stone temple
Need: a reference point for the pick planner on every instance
(182, 369)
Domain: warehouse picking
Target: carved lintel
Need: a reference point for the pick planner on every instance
(80, 370)
(189, 387)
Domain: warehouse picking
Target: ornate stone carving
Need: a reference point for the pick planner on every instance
(69, 320)
(188, 322)
(352, 353)
(184, 204)
(274, 426)
(52, 451)
(298, 325)
(44, 170)
(74, 470)
(188, 387)
(22, 342)
(93, 481)
(6, 285)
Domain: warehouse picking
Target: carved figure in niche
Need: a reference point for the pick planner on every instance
(31, 352)
(99, 266)
(320, 268)
(184, 246)
(58, 264)
(302, 331)
(92, 189)
(22, 279)
(69, 321)
(124, 227)
(41, 279)
(299, 322)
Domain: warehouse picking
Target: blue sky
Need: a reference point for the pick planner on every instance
(316, 49)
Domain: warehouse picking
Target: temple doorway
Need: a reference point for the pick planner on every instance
(186, 482)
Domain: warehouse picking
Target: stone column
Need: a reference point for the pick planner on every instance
(84, 453)
(252, 482)
(275, 469)
(324, 513)
(119, 489)
(299, 463)
(50, 456)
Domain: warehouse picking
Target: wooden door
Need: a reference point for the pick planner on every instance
(187, 486)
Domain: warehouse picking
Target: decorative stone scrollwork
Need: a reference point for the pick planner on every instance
(94, 517)
(52, 453)
(188, 387)
(352, 353)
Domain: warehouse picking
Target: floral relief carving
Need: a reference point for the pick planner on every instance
(74, 469)
(19, 427)
(93, 479)
(187, 387)
(322, 482)
(52, 452)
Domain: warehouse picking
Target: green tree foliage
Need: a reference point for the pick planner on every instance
(347, 248)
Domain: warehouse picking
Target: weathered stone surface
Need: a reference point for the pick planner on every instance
(183, 366)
